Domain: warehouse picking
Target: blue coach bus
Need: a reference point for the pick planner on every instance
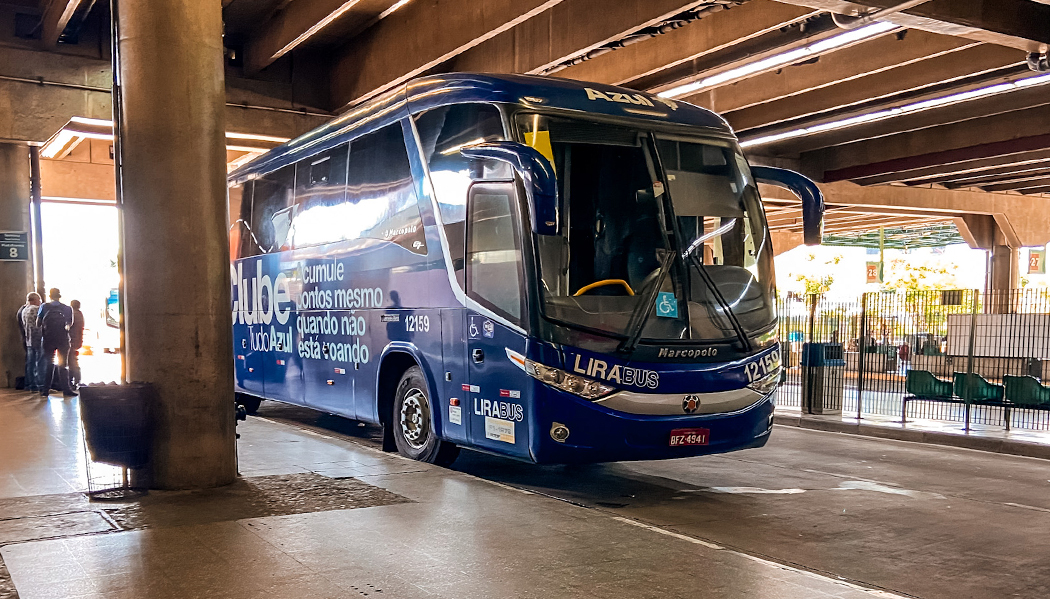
(538, 268)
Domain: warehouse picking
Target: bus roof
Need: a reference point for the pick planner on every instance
(533, 91)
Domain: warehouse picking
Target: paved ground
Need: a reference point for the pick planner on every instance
(814, 514)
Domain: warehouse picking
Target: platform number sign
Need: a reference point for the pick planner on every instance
(1037, 262)
(873, 272)
(14, 245)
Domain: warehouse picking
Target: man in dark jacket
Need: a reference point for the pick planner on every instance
(55, 318)
(76, 341)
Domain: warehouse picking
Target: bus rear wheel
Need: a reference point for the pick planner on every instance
(251, 404)
(412, 422)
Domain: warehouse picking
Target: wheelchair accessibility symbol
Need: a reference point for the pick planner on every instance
(666, 305)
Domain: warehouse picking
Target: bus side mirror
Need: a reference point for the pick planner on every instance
(536, 172)
(806, 190)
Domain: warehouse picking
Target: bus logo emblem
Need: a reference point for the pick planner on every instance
(690, 404)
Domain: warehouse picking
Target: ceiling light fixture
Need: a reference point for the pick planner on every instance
(779, 60)
(386, 13)
(914, 107)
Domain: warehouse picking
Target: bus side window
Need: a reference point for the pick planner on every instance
(242, 244)
(272, 210)
(494, 271)
(382, 192)
(442, 132)
(320, 198)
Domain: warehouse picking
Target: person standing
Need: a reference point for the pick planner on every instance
(76, 341)
(55, 318)
(31, 335)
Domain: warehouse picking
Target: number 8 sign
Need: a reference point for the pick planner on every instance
(14, 245)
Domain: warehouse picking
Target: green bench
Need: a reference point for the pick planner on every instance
(1016, 392)
(1027, 391)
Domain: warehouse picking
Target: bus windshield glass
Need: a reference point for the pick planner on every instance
(662, 238)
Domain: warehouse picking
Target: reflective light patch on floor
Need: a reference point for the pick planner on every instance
(748, 491)
(864, 485)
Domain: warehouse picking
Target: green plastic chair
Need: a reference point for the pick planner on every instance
(922, 383)
(982, 389)
(1026, 391)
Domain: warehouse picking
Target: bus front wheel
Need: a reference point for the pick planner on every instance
(413, 422)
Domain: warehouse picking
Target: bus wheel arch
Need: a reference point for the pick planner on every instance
(408, 411)
(392, 368)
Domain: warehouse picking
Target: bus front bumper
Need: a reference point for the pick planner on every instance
(598, 434)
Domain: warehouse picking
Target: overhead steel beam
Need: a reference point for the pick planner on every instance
(418, 37)
(699, 38)
(1016, 23)
(568, 31)
(1010, 133)
(841, 66)
(912, 77)
(57, 14)
(302, 20)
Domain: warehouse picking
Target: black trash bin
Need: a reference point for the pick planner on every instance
(117, 432)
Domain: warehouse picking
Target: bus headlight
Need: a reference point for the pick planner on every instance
(766, 384)
(559, 379)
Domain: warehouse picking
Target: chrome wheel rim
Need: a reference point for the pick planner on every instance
(415, 418)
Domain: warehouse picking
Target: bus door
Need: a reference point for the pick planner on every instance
(494, 280)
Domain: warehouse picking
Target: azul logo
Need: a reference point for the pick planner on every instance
(499, 409)
(249, 306)
(622, 375)
(623, 98)
(707, 352)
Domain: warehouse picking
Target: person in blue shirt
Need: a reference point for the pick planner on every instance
(55, 319)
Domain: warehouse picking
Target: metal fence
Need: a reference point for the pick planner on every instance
(942, 338)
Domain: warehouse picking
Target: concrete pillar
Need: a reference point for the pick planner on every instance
(172, 181)
(1002, 279)
(16, 278)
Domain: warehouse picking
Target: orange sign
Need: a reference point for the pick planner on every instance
(873, 271)
(1037, 262)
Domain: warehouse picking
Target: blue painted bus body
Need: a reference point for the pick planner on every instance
(314, 326)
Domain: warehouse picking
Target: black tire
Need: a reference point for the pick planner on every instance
(250, 403)
(412, 422)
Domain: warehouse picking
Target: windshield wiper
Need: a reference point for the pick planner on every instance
(641, 314)
(730, 315)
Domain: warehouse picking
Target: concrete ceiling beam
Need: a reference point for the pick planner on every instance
(913, 77)
(300, 21)
(1018, 101)
(842, 66)
(951, 169)
(1022, 185)
(569, 31)
(708, 35)
(996, 175)
(1026, 223)
(998, 135)
(418, 37)
(57, 14)
(1016, 23)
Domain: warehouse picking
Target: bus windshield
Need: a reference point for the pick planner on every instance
(662, 237)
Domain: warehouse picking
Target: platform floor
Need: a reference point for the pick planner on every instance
(321, 512)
